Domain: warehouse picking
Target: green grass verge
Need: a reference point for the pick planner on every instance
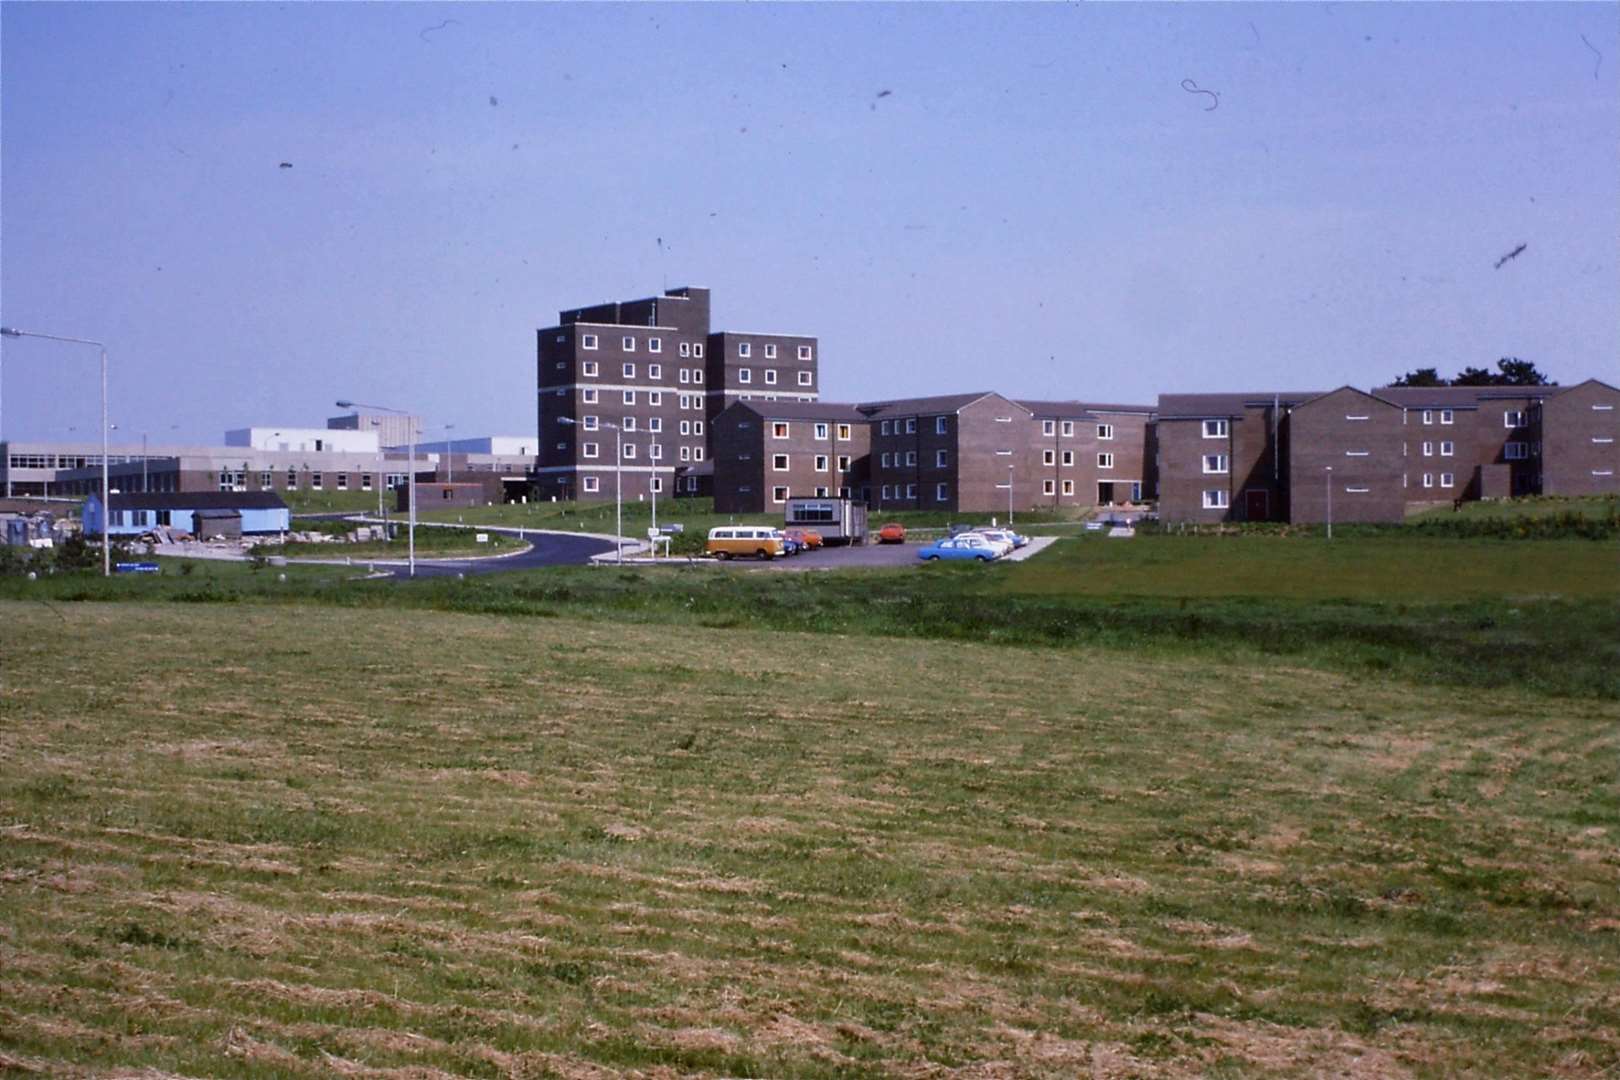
(557, 847)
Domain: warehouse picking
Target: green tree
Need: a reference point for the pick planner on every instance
(1424, 376)
(1516, 372)
(1473, 376)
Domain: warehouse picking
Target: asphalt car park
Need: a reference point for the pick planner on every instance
(846, 555)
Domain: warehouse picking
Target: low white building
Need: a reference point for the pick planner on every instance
(305, 440)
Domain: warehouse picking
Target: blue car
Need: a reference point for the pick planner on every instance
(966, 546)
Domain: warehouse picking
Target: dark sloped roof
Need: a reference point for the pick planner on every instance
(1198, 406)
(944, 403)
(802, 410)
(1067, 409)
(1458, 397)
(198, 500)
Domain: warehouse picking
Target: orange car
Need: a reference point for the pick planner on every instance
(892, 533)
(808, 537)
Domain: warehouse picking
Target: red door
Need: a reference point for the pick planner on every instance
(1256, 505)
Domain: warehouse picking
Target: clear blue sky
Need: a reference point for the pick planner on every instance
(1036, 206)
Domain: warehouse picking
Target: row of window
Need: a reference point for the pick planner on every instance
(893, 427)
(780, 493)
(781, 429)
(746, 375)
(236, 480)
(590, 370)
(781, 462)
(591, 396)
(1052, 427)
(628, 344)
(942, 492)
(593, 484)
(655, 424)
(745, 349)
(655, 451)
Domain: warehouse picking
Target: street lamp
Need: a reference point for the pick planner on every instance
(1330, 502)
(652, 452)
(106, 511)
(1009, 496)
(410, 475)
(449, 462)
(618, 486)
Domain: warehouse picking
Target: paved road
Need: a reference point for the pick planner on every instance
(549, 549)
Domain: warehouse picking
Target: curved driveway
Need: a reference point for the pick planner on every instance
(546, 549)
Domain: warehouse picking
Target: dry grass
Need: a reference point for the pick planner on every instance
(249, 842)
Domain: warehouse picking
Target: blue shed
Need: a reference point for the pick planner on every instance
(133, 514)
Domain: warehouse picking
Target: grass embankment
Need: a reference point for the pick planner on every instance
(431, 542)
(1526, 506)
(558, 847)
(1543, 615)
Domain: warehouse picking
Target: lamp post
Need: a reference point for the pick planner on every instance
(618, 485)
(652, 452)
(1330, 502)
(106, 511)
(1009, 496)
(449, 463)
(410, 475)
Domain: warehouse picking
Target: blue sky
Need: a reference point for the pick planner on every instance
(1037, 205)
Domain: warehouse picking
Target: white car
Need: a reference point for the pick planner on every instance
(1000, 539)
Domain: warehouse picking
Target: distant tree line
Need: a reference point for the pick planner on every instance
(1510, 371)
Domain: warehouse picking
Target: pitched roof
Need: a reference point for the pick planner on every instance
(1458, 397)
(1080, 409)
(196, 500)
(1199, 406)
(944, 403)
(802, 410)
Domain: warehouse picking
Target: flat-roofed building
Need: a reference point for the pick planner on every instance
(767, 452)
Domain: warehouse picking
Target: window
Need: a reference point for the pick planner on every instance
(1048, 457)
(779, 493)
(265, 483)
(686, 401)
(629, 397)
(779, 429)
(1214, 429)
(697, 427)
(628, 450)
(587, 450)
(1428, 416)
(821, 431)
(770, 376)
(629, 344)
(686, 375)
(629, 371)
(365, 481)
(843, 463)
(588, 341)
(686, 350)
(1104, 431)
(1428, 449)
(627, 423)
(1048, 427)
(911, 491)
(686, 427)
(1515, 451)
(843, 433)
(885, 491)
(562, 364)
(743, 349)
(655, 371)
(821, 463)
(686, 453)
(1448, 449)
(804, 378)
(911, 425)
(697, 453)
(315, 481)
(940, 459)
(343, 481)
(1446, 479)
(1428, 479)
(911, 457)
(1513, 418)
(697, 375)
(1068, 458)
(1068, 487)
(804, 352)
(1048, 487)
(588, 422)
(745, 375)
(589, 369)
(589, 483)
(939, 425)
(588, 395)
(770, 352)
(697, 350)
(1215, 499)
(655, 345)
(658, 481)
(292, 479)
(1213, 463)
(655, 423)
(779, 462)
(1446, 416)
(885, 428)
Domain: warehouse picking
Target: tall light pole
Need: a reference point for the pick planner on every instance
(450, 463)
(618, 484)
(106, 511)
(1009, 496)
(1330, 502)
(652, 451)
(410, 474)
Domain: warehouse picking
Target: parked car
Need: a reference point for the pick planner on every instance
(996, 538)
(892, 533)
(742, 541)
(1006, 536)
(790, 546)
(966, 546)
(810, 538)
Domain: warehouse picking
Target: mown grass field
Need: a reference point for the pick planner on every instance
(250, 840)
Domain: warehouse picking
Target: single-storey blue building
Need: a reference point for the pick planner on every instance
(190, 511)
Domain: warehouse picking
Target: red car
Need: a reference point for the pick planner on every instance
(808, 537)
(892, 533)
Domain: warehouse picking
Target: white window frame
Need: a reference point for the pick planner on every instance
(1513, 418)
(628, 371)
(1516, 451)
(697, 427)
(911, 425)
(1104, 431)
(628, 450)
(685, 350)
(589, 422)
(655, 424)
(587, 395)
(1222, 465)
(1428, 479)
(588, 450)
(941, 459)
(1448, 448)
(627, 343)
(588, 369)
(745, 375)
(1428, 449)
(655, 344)
(843, 463)
(697, 453)
(686, 427)
(1216, 499)
(804, 352)
(629, 397)
(1216, 429)
(587, 341)
(1048, 427)
(1048, 486)
(1106, 460)
(770, 351)
(1068, 487)
(1067, 460)
(655, 371)
(1048, 457)
(1447, 416)
(744, 349)
(655, 397)
(781, 429)
(1428, 416)
(845, 433)
(779, 493)
(590, 484)
(697, 350)
(1448, 480)
(821, 463)
(805, 379)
